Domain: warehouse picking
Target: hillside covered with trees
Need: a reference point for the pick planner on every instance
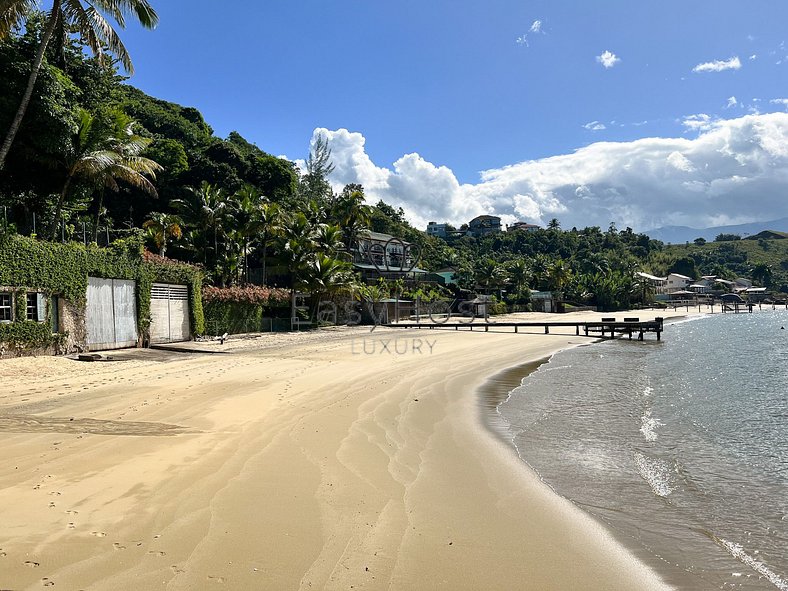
(95, 159)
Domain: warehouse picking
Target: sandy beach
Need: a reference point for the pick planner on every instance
(332, 460)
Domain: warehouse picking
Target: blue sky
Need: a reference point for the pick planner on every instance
(469, 87)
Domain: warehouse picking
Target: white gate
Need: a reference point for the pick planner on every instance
(111, 314)
(169, 311)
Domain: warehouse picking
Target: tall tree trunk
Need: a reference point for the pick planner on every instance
(215, 248)
(98, 217)
(246, 261)
(265, 253)
(59, 208)
(31, 82)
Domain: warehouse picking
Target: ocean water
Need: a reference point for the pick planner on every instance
(680, 447)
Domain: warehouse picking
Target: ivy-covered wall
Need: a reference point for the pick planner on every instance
(28, 265)
(237, 310)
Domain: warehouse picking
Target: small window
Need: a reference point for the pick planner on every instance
(36, 307)
(6, 307)
(54, 306)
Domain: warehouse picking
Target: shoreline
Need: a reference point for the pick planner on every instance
(299, 465)
(498, 388)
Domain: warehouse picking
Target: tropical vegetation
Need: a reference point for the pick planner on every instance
(89, 158)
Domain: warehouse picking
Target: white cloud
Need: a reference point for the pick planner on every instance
(608, 59)
(595, 126)
(534, 29)
(732, 102)
(643, 184)
(754, 56)
(680, 162)
(719, 65)
(699, 122)
(780, 101)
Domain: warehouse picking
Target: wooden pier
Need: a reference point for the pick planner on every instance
(604, 328)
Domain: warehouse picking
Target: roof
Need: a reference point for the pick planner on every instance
(680, 276)
(480, 218)
(383, 269)
(652, 277)
(381, 237)
(446, 270)
(755, 290)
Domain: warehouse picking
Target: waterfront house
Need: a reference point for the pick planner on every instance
(484, 224)
(522, 226)
(677, 282)
(703, 286)
(438, 230)
(379, 255)
(657, 284)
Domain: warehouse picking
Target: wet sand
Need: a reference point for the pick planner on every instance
(344, 459)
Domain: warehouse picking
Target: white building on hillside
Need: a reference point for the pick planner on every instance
(677, 282)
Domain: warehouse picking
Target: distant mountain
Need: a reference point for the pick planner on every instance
(682, 234)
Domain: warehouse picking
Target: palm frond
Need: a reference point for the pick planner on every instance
(12, 13)
(118, 9)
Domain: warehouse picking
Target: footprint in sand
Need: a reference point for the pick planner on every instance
(2, 553)
(52, 505)
(216, 579)
(32, 564)
(177, 570)
(71, 525)
(118, 546)
(98, 534)
(55, 493)
(71, 512)
(47, 582)
(157, 553)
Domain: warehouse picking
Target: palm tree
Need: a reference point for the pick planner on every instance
(329, 239)
(558, 275)
(489, 274)
(162, 226)
(519, 274)
(101, 154)
(539, 267)
(207, 209)
(298, 238)
(244, 203)
(267, 226)
(324, 275)
(352, 214)
(762, 273)
(82, 17)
